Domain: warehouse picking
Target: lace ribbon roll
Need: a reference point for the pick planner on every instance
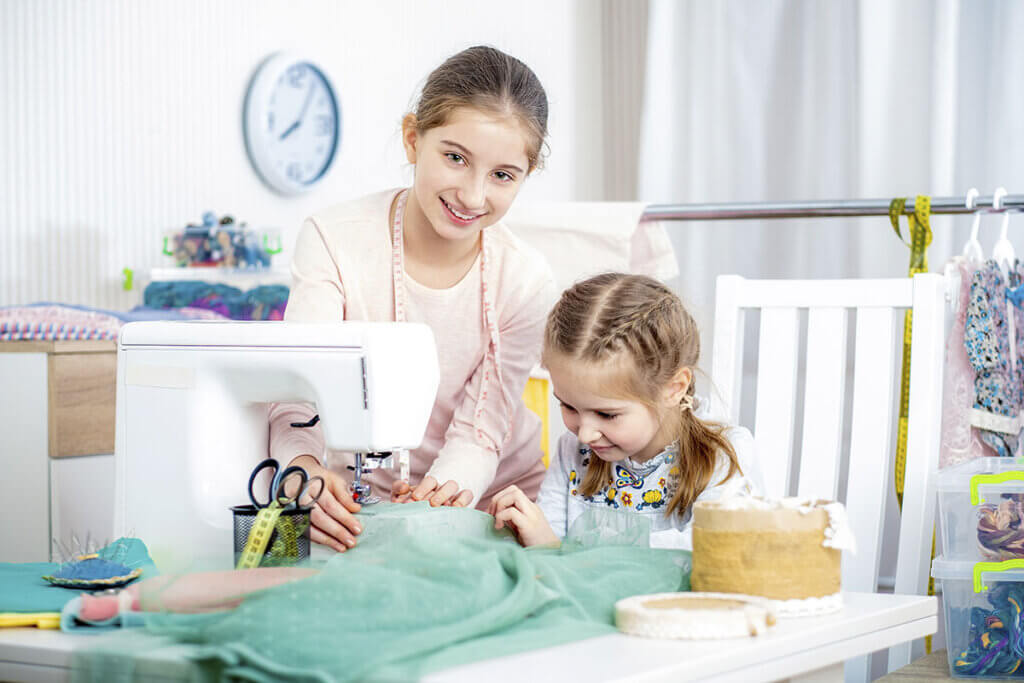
(693, 616)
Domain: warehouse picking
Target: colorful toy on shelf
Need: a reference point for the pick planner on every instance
(221, 242)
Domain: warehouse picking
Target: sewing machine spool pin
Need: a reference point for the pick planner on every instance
(365, 463)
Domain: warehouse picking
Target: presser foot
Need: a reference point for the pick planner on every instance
(363, 494)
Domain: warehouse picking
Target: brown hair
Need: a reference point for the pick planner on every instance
(490, 80)
(639, 324)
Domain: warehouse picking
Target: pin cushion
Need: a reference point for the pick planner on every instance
(93, 571)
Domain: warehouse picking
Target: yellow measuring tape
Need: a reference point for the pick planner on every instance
(259, 536)
(920, 238)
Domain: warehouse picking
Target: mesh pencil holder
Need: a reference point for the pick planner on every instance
(288, 544)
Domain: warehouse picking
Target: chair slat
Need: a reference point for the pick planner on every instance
(823, 403)
(871, 440)
(727, 350)
(776, 392)
(923, 435)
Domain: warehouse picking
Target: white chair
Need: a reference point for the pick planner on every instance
(875, 399)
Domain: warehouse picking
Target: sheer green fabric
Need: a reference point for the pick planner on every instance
(425, 589)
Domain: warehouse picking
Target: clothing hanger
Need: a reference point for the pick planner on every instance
(972, 248)
(1002, 253)
(972, 253)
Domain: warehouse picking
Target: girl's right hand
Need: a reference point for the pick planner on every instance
(512, 507)
(333, 521)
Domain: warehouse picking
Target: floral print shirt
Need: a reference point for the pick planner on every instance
(644, 488)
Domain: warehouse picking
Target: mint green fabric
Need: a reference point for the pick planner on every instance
(23, 589)
(425, 589)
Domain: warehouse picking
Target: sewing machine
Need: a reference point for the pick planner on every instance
(192, 401)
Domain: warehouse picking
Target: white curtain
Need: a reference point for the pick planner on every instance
(801, 99)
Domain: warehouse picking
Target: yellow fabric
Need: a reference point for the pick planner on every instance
(535, 396)
(37, 619)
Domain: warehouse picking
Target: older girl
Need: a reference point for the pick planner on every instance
(437, 253)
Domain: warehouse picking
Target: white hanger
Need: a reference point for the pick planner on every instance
(1002, 253)
(972, 248)
(973, 253)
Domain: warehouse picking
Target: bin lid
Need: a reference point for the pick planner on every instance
(964, 570)
(958, 477)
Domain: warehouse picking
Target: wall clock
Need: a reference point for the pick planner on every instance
(292, 123)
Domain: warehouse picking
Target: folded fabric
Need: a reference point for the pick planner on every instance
(266, 302)
(580, 239)
(53, 322)
(23, 589)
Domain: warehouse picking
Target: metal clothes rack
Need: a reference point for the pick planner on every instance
(819, 209)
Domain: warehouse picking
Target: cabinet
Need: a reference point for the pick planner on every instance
(57, 407)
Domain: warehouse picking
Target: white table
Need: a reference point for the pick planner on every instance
(807, 649)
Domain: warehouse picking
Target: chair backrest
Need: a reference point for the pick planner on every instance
(876, 373)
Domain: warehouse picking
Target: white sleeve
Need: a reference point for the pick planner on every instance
(553, 498)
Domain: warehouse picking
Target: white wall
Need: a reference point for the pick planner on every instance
(120, 119)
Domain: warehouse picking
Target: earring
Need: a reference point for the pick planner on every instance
(686, 403)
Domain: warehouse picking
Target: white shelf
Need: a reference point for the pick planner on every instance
(236, 277)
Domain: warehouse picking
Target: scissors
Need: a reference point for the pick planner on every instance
(276, 493)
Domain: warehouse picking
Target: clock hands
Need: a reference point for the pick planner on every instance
(302, 114)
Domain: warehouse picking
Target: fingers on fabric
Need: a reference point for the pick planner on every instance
(509, 497)
(338, 488)
(463, 499)
(512, 517)
(444, 494)
(340, 537)
(400, 491)
(320, 537)
(424, 488)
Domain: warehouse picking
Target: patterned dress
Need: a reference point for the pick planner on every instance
(995, 347)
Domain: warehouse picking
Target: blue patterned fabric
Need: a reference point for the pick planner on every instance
(997, 386)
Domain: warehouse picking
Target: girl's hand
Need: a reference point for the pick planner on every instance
(332, 519)
(428, 489)
(512, 508)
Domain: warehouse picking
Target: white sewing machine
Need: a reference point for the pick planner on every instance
(192, 415)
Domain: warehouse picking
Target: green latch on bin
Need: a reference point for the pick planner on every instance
(982, 479)
(1003, 566)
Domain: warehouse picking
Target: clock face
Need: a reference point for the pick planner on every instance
(293, 123)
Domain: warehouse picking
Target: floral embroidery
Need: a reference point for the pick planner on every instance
(575, 492)
(626, 499)
(652, 498)
(572, 476)
(674, 472)
(609, 497)
(661, 482)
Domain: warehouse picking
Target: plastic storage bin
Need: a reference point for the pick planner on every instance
(981, 508)
(982, 602)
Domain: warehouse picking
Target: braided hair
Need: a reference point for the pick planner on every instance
(636, 323)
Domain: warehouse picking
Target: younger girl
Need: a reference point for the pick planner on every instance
(437, 253)
(621, 350)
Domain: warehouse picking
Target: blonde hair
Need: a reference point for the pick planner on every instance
(639, 324)
(487, 79)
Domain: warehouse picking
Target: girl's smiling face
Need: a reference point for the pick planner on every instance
(614, 427)
(468, 171)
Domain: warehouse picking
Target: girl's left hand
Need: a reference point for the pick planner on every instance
(428, 489)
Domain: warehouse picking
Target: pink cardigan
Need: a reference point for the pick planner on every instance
(342, 270)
